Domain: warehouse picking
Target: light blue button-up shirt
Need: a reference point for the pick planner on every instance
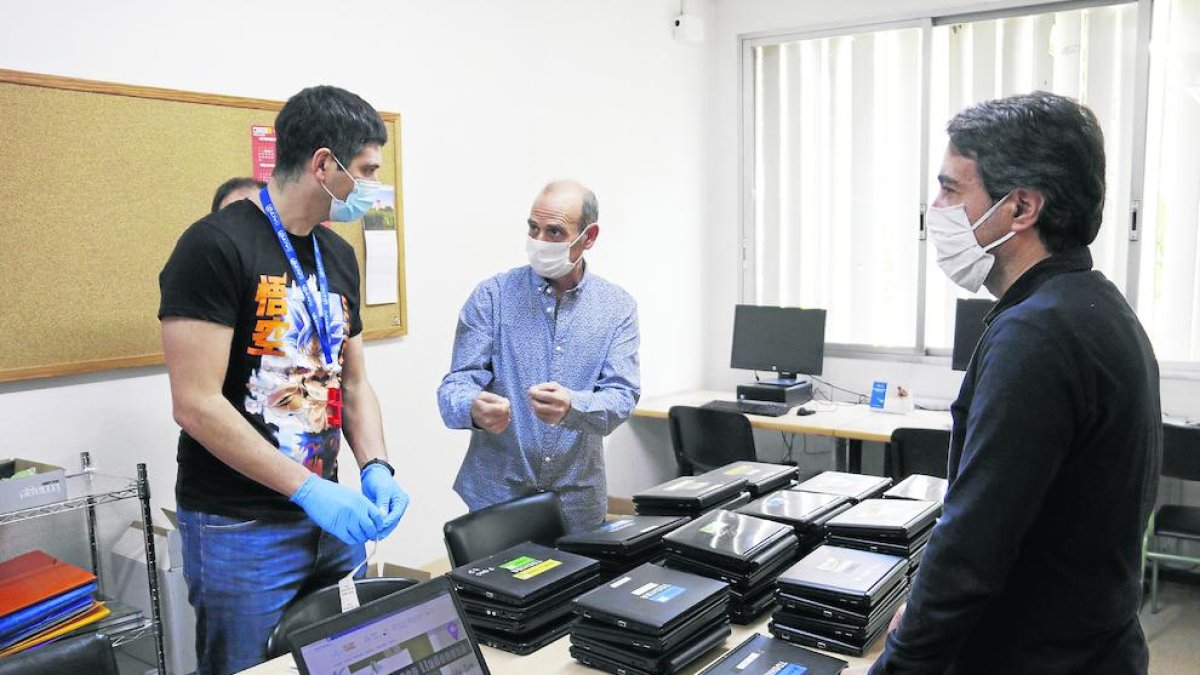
(513, 334)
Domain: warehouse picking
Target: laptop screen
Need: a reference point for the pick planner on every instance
(427, 637)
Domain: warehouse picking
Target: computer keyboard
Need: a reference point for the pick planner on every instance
(749, 407)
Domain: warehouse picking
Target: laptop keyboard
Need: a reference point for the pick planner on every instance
(749, 407)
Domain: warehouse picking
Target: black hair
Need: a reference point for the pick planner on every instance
(1045, 142)
(324, 117)
(239, 183)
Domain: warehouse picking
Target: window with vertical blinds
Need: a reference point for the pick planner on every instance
(849, 133)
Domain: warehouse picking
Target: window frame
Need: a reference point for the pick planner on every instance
(921, 353)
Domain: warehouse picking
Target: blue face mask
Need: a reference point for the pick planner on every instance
(360, 200)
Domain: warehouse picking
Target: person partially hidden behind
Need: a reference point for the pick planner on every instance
(235, 190)
(262, 338)
(1034, 566)
(545, 365)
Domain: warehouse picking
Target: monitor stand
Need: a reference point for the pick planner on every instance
(787, 388)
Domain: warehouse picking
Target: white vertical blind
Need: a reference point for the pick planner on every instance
(837, 182)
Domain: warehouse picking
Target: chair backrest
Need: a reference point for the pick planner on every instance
(705, 439)
(324, 603)
(1181, 452)
(478, 534)
(91, 654)
(925, 451)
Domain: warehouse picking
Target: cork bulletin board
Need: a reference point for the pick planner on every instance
(99, 181)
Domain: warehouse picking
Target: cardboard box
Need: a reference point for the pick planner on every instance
(47, 486)
(125, 580)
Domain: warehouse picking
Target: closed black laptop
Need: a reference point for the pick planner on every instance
(525, 643)
(522, 574)
(809, 639)
(919, 486)
(622, 536)
(584, 648)
(765, 567)
(765, 655)
(804, 511)
(477, 605)
(896, 520)
(907, 548)
(680, 634)
(651, 599)
(843, 576)
(690, 492)
(761, 477)
(798, 605)
(728, 539)
(853, 485)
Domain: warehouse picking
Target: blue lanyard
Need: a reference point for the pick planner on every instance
(321, 320)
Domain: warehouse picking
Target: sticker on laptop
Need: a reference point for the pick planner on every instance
(658, 592)
(774, 501)
(525, 568)
(616, 525)
(715, 528)
(741, 471)
(838, 565)
(686, 484)
(789, 668)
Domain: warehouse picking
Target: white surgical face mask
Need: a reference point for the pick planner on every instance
(552, 259)
(958, 251)
(360, 200)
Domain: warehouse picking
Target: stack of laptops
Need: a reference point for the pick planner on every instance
(691, 496)
(919, 486)
(806, 512)
(746, 552)
(519, 599)
(764, 655)
(839, 599)
(761, 477)
(855, 486)
(623, 543)
(899, 527)
(651, 621)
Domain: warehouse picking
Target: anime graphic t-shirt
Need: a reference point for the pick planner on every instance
(228, 268)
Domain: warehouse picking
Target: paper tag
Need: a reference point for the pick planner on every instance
(347, 593)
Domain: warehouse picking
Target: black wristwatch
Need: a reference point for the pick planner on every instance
(380, 462)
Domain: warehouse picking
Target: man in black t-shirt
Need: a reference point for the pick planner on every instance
(262, 337)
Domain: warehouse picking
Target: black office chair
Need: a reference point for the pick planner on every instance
(92, 654)
(324, 603)
(924, 451)
(1181, 460)
(705, 439)
(478, 534)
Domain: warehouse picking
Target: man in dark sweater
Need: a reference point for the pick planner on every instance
(1034, 566)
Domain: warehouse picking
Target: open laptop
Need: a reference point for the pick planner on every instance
(415, 631)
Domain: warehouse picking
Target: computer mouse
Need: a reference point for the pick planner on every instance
(804, 411)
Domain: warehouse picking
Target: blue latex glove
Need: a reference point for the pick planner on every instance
(380, 487)
(339, 510)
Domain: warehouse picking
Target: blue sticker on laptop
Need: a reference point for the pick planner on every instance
(665, 594)
(616, 525)
(792, 669)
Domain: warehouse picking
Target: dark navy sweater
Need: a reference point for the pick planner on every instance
(1034, 566)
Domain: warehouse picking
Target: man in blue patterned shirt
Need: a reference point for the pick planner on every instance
(545, 365)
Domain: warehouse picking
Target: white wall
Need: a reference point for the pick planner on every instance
(496, 98)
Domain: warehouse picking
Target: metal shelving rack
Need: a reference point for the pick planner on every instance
(86, 490)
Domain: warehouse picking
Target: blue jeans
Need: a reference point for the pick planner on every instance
(242, 574)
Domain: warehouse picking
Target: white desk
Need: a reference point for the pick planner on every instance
(850, 424)
(555, 657)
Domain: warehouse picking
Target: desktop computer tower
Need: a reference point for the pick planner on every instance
(793, 394)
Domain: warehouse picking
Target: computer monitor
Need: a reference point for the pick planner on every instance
(968, 328)
(412, 632)
(785, 340)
